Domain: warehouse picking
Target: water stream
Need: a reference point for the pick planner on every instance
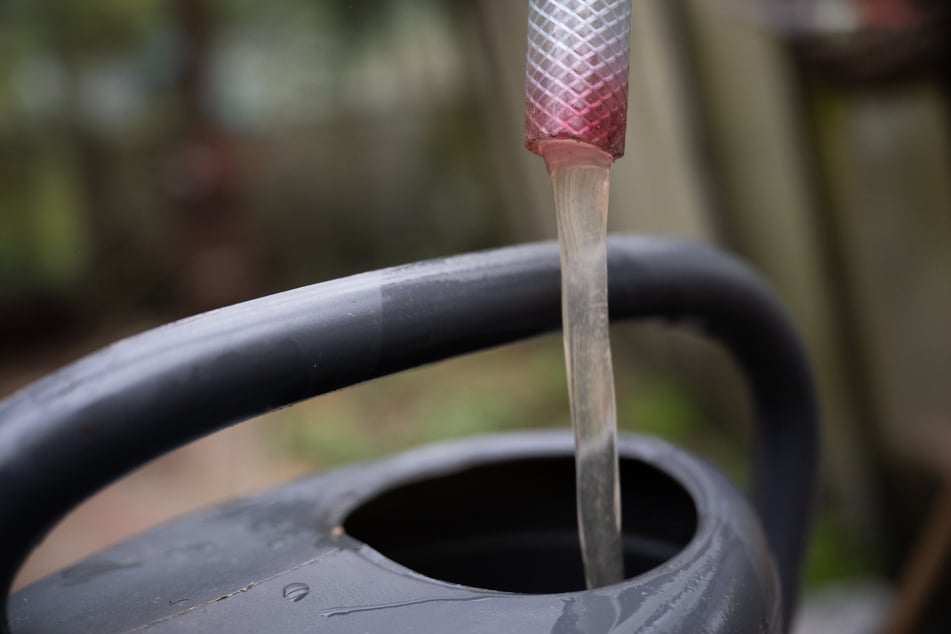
(581, 177)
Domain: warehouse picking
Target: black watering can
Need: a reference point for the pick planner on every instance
(472, 536)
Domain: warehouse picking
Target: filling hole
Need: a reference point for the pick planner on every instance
(512, 525)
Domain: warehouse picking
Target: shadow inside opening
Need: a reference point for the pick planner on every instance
(512, 525)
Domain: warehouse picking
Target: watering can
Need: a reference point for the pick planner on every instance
(477, 535)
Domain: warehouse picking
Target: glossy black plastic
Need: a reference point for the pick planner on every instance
(83, 427)
(279, 563)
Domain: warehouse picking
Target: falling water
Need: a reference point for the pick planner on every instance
(581, 177)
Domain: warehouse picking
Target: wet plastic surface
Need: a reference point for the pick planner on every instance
(278, 562)
(79, 429)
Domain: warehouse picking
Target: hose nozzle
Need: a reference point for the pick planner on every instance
(576, 73)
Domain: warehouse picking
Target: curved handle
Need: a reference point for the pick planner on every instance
(83, 427)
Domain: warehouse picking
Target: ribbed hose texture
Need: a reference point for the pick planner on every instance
(577, 72)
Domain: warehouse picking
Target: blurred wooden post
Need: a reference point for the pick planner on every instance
(761, 162)
(931, 554)
(886, 160)
(214, 255)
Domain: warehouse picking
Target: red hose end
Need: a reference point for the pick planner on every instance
(597, 116)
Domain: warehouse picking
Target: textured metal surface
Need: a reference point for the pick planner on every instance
(577, 72)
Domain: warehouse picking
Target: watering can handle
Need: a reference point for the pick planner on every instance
(69, 435)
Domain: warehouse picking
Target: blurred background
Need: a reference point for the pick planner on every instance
(163, 157)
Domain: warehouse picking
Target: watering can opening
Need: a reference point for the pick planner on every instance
(512, 525)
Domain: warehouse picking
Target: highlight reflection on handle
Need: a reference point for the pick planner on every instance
(576, 72)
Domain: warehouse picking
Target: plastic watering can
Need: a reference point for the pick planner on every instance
(477, 535)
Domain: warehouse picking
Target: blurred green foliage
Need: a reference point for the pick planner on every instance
(835, 553)
(87, 29)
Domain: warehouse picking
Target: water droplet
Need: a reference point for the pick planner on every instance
(296, 591)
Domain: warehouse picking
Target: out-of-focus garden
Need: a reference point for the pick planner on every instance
(161, 158)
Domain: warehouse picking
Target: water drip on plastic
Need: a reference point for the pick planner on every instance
(296, 591)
